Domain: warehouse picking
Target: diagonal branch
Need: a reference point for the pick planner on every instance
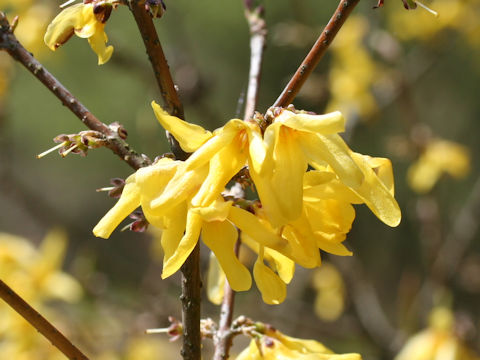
(40, 323)
(12, 46)
(337, 20)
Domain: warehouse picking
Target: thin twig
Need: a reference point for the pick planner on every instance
(157, 58)
(224, 336)
(258, 38)
(341, 14)
(40, 323)
(191, 286)
(12, 46)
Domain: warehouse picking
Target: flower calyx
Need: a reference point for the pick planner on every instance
(77, 143)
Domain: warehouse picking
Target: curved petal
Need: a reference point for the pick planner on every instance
(222, 167)
(185, 246)
(287, 179)
(220, 237)
(217, 211)
(62, 26)
(272, 288)
(98, 42)
(257, 148)
(189, 136)
(331, 123)
(175, 225)
(127, 203)
(252, 226)
(376, 196)
(332, 150)
(182, 186)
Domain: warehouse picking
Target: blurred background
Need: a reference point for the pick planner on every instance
(408, 84)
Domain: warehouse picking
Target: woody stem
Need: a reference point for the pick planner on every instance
(337, 20)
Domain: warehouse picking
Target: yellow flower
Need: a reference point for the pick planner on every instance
(440, 156)
(293, 141)
(437, 341)
(274, 345)
(330, 298)
(86, 21)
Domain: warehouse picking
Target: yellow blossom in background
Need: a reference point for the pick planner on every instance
(86, 21)
(273, 345)
(439, 157)
(353, 71)
(36, 275)
(330, 299)
(438, 341)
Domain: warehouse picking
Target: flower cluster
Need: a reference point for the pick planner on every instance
(306, 179)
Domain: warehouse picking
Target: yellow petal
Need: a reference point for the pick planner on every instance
(98, 44)
(127, 203)
(185, 246)
(251, 225)
(331, 123)
(287, 180)
(272, 288)
(257, 148)
(175, 224)
(220, 237)
(182, 186)
(304, 250)
(212, 146)
(383, 168)
(215, 281)
(217, 211)
(250, 353)
(331, 149)
(62, 27)
(284, 266)
(189, 136)
(376, 196)
(222, 167)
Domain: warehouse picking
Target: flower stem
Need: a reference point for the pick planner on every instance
(337, 20)
(14, 48)
(40, 323)
(258, 37)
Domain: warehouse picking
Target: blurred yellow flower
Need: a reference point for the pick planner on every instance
(36, 275)
(439, 157)
(273, 345)
(330, 299)
(438, 341)
(86, 21)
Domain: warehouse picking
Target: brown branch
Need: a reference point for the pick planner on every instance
(191, 296)
(258, 38)
(341, 14)
(157, 58)
(40, 323)
(12, 46)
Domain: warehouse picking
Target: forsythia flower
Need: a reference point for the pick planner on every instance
(274, 345)
(440, 156)
(437, 342)
(86, 21)
(300, 212)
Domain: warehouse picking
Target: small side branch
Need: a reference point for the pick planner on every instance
(258, 38)
(341, 14)
(12, 46)
(224, 336)
(157, 58)
(40, 323)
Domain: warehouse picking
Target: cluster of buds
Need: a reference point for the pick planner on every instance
(76, 143)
